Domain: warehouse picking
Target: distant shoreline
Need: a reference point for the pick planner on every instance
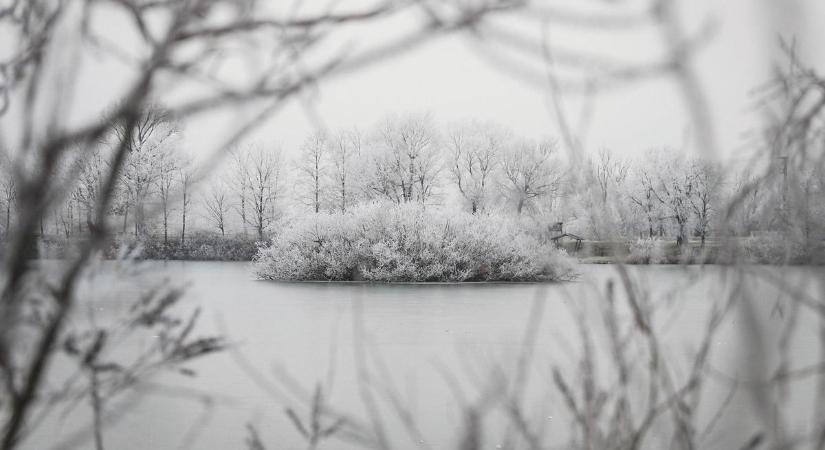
(202, 246)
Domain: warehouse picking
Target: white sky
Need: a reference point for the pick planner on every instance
(451, 80)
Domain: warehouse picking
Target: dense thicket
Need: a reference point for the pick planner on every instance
(409, 243)
(199, 246)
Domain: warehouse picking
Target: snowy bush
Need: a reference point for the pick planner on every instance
(409, 243)
(647, 251)
(201, 246)
(775, 248)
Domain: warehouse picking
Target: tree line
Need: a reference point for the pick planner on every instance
(480, 167)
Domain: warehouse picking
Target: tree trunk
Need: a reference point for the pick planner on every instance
(243, 212)
(71, 220)
(79, 219)
(138, 216)
(89, 219)
(260, 211)
(343, 196)
(183, 220)
(412, 179)
(165, 224)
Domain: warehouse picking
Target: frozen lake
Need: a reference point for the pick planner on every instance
(418, 341)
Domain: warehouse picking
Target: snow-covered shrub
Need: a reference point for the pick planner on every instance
(198, 246)
(380, 242)
(774, 248)
(647, 251)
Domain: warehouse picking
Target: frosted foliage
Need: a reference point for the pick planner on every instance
(409, 242)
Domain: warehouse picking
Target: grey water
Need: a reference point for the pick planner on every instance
(434, 347)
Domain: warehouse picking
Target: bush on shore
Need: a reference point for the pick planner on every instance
(199, 246)
(771, 248)
(646, 251)
(409, 243)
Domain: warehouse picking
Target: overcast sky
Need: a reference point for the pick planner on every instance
(452, 80)
(455, 78)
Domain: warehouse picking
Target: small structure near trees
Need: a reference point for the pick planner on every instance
(559, 236)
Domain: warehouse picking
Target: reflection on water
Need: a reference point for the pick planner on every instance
(417, 333)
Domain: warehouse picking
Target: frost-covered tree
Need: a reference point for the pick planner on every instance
(674, 186)
(346, 157)
(216, 205)
(186, 174)
(599, 193)
(609, 171)
(312, 170)
(263, 169)
(406, 160)
(148, 143)
(530, 172)
(641, 192)
(239, 185)
(168, 179)
(707, 179)
(8, 190)
(475, 151)
(90, 165)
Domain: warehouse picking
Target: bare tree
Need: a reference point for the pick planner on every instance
(707, 181)
(407, 164)
(312, 169)
(148, 145)
(217, 206)
(167, 179)
(90, 166)
(746, 203)
(186, 175)
(674, 188)
(345, 153)
(8, 190)
(476, 150)
(530, 172)
(264, 171)
(239, 182)
(609, 172)
(642, 195)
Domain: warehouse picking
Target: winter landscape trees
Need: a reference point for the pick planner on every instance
(481, 168)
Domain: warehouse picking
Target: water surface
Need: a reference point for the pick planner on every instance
(415, 337)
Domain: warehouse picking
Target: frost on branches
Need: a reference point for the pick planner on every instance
(410, 242)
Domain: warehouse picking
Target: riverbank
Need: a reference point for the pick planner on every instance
(196, 247)
(765, 249)
(204, 246)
